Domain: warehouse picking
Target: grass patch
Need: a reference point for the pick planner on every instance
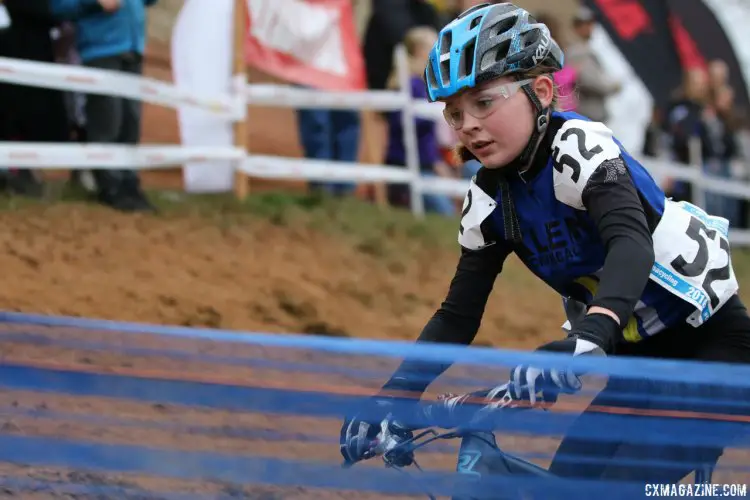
(387, 233)
(375, 231)
(390, 234)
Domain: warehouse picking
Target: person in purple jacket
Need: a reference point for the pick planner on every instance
(418, 42)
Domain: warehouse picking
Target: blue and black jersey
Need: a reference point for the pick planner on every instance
(589, 221)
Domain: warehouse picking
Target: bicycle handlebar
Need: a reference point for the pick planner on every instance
(442, 413)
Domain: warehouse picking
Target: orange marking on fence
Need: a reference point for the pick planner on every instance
(23, 155)
(80, 79)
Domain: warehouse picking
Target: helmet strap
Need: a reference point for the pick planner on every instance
(540, 128)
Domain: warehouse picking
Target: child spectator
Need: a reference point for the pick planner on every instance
(418, 42)
(111, 35)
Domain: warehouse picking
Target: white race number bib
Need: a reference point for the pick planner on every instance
(693, 260)
(478, 205)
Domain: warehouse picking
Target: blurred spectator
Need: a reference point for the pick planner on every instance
(718, 74)
(418, 42)
(593, 82)
(75, 102)
(31, 114)
(683, 122)
(656, 142)
(567, 78)
(330, 134)
(333, 135)
(387, 27)
(743, 141)
(685, 112)
(721, 147)
(114, 38)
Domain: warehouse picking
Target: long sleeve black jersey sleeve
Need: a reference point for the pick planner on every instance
(459, 316)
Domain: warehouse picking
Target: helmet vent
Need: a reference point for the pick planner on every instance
(530, 38)
(502, 26)
(431, 74)
(502, 49)
(466, 63)
(496, 55)
(445, 57)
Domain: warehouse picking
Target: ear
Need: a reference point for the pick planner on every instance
(544, 88)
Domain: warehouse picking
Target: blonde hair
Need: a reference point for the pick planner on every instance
(416, 39)
(462, 153)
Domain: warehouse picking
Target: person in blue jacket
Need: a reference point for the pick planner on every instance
(639, 274)
(111, 35)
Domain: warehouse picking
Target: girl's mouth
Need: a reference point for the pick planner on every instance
(480, 146)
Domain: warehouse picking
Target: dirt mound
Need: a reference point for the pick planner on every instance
(310, 268)
(241, 272)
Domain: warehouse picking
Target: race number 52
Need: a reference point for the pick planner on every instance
(699, 232)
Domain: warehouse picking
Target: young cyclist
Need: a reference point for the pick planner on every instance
(640, 275)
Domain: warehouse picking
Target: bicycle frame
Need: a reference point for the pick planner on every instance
(479, 455)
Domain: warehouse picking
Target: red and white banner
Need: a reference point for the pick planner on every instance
(308, 42)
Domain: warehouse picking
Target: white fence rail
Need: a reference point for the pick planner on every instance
(232, 106)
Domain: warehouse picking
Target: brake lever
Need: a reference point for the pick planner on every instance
(407, 446)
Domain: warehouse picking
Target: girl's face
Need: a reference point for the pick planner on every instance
(495, 120)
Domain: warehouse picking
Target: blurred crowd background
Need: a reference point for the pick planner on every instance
(703, 107)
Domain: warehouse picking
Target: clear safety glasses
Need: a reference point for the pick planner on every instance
(480, 104)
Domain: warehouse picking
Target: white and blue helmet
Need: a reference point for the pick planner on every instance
(486, 42)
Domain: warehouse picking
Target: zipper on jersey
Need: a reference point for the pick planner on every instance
(532, 194)
(529, 189)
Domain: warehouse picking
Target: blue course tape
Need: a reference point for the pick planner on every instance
(49, 452)
(97, 490)
(673, 371)
(609, 427)
(245, 432)
(727, 401)
(271, 364)
(219, 431)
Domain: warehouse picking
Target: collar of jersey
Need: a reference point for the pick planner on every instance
(541, 158)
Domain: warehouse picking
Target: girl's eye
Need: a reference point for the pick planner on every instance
(484, 102)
